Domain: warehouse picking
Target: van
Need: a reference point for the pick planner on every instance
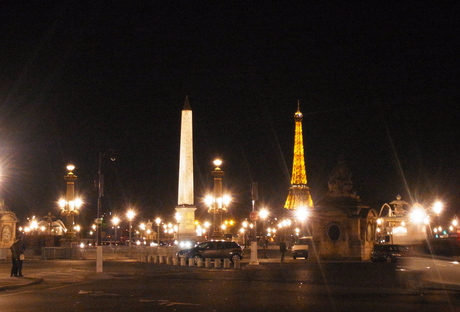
(300, 249)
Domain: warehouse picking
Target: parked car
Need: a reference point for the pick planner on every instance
(436, 265)
(213, 250)
(389, 252)
(300, 249)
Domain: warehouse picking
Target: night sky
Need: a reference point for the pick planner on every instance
(377, 83)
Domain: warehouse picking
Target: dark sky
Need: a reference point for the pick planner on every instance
(377, 82)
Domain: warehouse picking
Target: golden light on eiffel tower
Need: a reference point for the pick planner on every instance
(299, 192)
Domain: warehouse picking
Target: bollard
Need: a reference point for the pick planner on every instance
(216, 263)
(191, 262)
(199, 263)
(175, 261)
(226, 263)
(237, 263)
(207, 263)
(183, 261)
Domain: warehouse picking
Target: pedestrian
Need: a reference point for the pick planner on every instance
(17, 257)
(283, 250)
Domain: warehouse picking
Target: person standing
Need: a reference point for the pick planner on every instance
(17, 257)
(283, 250)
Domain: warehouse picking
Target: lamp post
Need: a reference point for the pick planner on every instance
(206, 225)
(130, 214)
(437, 207)
(245, 237)
(158, 222)
(217, 203)
(100, 186)
(71, 204)
(263, 214)
(178, 217)
(301, 215)
(115, 222)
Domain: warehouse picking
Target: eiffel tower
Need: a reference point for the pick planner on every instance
(299, 193)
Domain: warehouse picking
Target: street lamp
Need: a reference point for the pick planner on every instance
(302, 214)
(158, 222)
(437, 207)
(130, 214)
(206, 225)
(115, 222)
(178, 217)
(100, 186)
(263, 214)
(418, 214)
(70, 205)
(218, 202)
(245, 225)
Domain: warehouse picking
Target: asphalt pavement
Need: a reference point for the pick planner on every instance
(32, 274)
(37, 271)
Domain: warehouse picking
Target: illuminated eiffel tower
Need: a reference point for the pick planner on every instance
(299, 192)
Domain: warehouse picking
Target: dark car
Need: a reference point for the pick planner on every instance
(213, 250)
(389, 252)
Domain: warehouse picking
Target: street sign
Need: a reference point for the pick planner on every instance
(254, 216)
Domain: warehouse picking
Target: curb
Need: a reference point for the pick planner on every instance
(33, 281)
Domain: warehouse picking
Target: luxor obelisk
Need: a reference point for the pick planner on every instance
(185, 210)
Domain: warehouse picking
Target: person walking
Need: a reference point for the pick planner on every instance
(283, 250)
(17, 257)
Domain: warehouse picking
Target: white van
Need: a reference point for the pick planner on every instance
(300, 249)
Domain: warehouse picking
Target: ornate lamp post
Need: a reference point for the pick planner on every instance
(301, 215)
(115, 222)
(263, 214)
(100, 185)
(158, 222)
(245, 225)
(178, 217)
(217, 203)
(70, 204)
(130, 214)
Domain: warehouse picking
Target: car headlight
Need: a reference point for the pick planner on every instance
(185, 244)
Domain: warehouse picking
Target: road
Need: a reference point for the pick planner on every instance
(73, 285)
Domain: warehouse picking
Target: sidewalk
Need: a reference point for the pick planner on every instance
(7, 282)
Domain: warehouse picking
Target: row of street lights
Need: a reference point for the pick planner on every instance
(218, 203)
(394, 222)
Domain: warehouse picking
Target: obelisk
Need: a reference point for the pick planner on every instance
(185, 210)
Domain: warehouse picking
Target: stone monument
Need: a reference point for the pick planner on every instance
(8, 221)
